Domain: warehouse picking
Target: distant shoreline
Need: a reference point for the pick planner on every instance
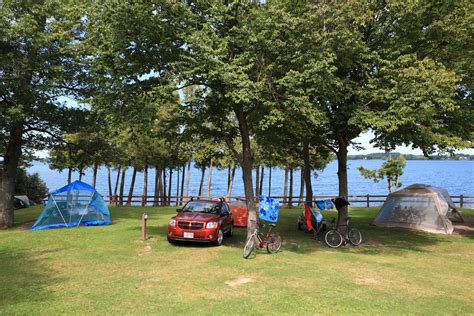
(382, 155)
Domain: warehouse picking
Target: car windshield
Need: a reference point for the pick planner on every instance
(201, 207)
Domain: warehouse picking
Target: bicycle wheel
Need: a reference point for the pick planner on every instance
(333, 238)
(249, 246)
(274, 243)
(355, 237)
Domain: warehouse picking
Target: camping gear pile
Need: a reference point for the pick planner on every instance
(75, 204)
(421, 207)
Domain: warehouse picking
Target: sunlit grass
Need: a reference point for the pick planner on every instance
(108, 269)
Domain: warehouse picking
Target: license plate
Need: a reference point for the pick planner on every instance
(188, 235)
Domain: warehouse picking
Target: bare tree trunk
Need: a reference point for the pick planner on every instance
(118, 178)
(228, 176)
(157, 185)
(307, 174)
(182, 183)
(132, 186)
(94, 174)
(270, 181)
(169, 186)
(163, 200)
(261, 180)
(231, 184)
(246, 162)
(69, 175)
(342, 177)
(285, 187)
(290, 200)
(177, 187)
(257, 179)
(122, 184)
(81, 173)
(300, 202)
(188, 178)
(209, 180)
(109, 182)
(145, 183)
(10, 167)
(203, 170)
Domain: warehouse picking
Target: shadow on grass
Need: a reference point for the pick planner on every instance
(24, 277)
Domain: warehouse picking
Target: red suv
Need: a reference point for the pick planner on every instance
(202, 221)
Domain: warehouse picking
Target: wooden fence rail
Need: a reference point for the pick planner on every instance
(366, 200)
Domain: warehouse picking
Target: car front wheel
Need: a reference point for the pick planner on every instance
(220, 237)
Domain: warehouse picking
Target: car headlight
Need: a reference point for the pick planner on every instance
(211, 225)
(172, 222)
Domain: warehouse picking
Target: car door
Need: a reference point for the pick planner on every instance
(227, 220)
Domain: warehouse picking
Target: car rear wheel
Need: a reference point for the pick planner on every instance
(220, 237)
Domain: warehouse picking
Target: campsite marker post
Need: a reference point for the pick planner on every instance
(144, 220)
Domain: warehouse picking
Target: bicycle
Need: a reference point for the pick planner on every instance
(271, 240)
(336, 236)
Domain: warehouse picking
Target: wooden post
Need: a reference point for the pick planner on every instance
(461, 200)
(368, 200)
(144, 220)
(143, 200)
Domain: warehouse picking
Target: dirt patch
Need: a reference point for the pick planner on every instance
(146, 250)
(26, 226)
(366, 281)
(239, 281)
(463, 229)
(373, 243)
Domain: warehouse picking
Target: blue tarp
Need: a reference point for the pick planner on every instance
(269, 208)
(75, 204)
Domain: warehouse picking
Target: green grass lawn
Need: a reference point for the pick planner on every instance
(97, 270)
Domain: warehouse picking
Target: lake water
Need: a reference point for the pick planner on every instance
(457, 176)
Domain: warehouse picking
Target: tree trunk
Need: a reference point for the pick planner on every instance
(231, 184)
(209, 180)
(109, 182)
(122, 184)
(290, 200)
(182, 183)
(169, 186)
(188, 178)
(81, 173)
(94, 174)
(132, 186)
(177, 187)
(69, 175)
(157, 185)
(229, 170)
(342, 177)
(163, 200)
(203, 171)
(247, 164)
(10, 167)
(300, 201)
(257, 179)
(145, 183)
(119, 169)
(285, 188)
(261, 180)
(270, 181)
(307, 174)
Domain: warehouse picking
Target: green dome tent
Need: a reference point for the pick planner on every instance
(75, 204)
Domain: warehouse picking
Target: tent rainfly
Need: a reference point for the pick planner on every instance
(421, 207)
(75, 204)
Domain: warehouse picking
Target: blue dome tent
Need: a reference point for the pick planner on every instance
(75, 204)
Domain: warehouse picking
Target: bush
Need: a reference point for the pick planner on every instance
(30, 185)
